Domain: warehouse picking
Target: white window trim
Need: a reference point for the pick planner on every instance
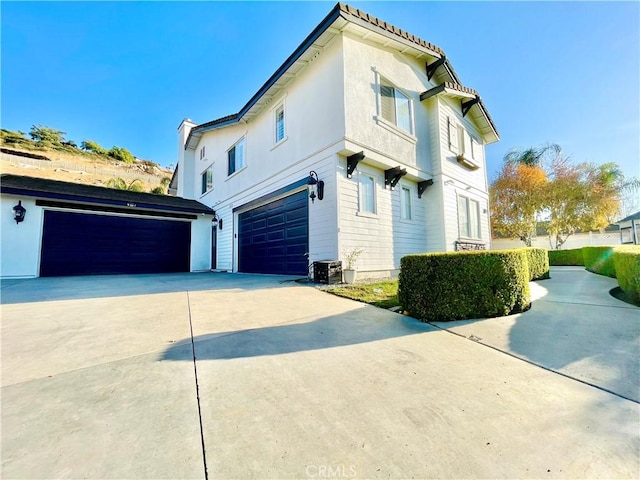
(281, 103)
(363, 213)
(202, 194)
(468, 205)
(386, 124)
(411, 203)
(244, 164)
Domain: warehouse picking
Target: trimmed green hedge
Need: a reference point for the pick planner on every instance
(572, 256)
(538, 260)
(599, 260)
(460, 285)
(626, 262)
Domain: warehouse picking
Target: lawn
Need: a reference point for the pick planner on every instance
(380, 294)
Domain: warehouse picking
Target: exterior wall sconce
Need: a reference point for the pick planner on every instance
(19, 212)
(314, 184)
(217, 221)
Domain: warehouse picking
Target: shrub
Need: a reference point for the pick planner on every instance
(459, 285)
(599, 260)
(538, 260)
(627, 266)
(572, 256)
(121, 154)
(91, 146)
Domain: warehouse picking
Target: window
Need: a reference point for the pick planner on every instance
(235, 157)
(395, 106)
(405, 203)
(202, 154)
(207, 180)
(279, 124)
(468, 217)
(452, 133)
(367, 194)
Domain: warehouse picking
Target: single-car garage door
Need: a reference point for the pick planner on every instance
(274, 238)
(87, 244)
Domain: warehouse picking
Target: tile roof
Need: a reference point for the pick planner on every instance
(46, 188)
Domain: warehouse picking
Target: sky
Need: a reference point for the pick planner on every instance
(127, 73)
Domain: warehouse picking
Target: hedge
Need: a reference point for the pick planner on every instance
(538, 260)
(460, 285)
(572, 256)
(599, 260)
(626, 261)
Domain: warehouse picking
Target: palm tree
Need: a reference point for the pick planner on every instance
(532, 156)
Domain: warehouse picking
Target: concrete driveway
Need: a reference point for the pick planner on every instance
(99, 381)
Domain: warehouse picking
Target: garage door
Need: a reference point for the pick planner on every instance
(273, 238)
(86, 244)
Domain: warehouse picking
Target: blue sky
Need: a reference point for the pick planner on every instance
(127, 73)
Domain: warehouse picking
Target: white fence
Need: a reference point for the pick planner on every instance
(576, 240)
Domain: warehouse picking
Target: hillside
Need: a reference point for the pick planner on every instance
(70, 164)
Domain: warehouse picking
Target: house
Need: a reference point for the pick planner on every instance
(363, 138)
(54, 228)
(630, 229)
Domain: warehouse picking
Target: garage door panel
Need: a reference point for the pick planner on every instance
(86, 244)
(283, 238)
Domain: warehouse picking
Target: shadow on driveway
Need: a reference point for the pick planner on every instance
(46, 289)
(355, 327)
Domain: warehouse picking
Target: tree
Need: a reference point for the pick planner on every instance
(516, 198)
(46, 135)
(120, 184)
(91, 146)
(121, 154)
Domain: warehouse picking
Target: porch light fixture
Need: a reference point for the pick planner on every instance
(19, 212)
(315, 185)
(216, 221)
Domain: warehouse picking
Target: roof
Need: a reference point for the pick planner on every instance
(76, 192)
(346, 14)
(633, 216)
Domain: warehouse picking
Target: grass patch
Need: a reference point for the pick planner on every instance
(380, 294)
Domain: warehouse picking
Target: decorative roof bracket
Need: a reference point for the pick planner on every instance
(431, 68)
(352, 162)
(466, 106)
(393, 176)
(422, 186)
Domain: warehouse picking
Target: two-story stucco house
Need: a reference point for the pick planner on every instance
(382, 119)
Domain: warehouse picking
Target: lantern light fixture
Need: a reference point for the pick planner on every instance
(315, 186)
(19, 212)
(216, 221)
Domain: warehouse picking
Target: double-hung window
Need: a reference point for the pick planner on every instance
(279, 124)
(367, 192)
(207, 180)
(405, 203)
(235, 157)
(395, 106)
(468, 217)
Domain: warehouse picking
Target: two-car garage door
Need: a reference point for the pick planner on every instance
(86, 244)
(274, 238)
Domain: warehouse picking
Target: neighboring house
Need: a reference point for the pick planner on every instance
(382, 119)
(630, 229)
(53, 228)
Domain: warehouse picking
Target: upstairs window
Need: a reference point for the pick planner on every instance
(279, 123)
(235, 157)
(395, 106)
(468, 218)
(202, 153)
(207, 180)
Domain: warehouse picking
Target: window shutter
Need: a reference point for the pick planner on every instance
(463, 221)
(387, 102)
(474, 219)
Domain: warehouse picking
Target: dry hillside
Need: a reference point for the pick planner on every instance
(80, 167)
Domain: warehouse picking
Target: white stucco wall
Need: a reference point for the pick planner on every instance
(20, 245)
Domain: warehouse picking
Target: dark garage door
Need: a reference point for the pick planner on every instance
(273, 238)
(87, 244)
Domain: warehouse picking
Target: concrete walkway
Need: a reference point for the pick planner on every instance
(99, 381)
